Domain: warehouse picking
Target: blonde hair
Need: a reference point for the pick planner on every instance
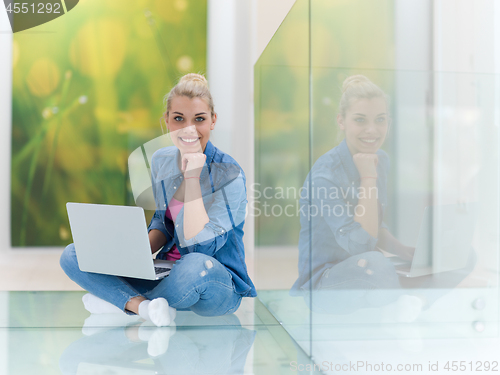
(359, 87)
(191, 85)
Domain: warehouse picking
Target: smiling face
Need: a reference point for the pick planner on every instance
(365, 125)
(189, 122)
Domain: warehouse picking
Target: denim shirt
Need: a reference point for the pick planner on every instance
(223, 189)
(330, 194)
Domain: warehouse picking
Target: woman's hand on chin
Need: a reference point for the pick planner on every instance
(192, 164)
(366, 164)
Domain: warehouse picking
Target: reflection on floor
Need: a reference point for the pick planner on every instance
(458, 325)
(51, 333)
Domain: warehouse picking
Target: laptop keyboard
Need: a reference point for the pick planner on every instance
(161, 270)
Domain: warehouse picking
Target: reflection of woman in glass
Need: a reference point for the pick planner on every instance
(201, 201)
(346, 187)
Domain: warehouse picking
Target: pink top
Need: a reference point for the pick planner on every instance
(173, 209)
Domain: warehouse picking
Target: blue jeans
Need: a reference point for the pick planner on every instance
(197, 282)
(349, 285)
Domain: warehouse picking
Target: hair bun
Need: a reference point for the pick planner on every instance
(194, 77)
(353, 80)
(358, 87)
(191, 85)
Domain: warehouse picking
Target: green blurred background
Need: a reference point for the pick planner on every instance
(88, 89)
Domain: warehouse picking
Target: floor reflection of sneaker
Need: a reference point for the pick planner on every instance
(157, 337)
(101, 322)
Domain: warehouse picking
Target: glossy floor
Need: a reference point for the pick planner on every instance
(455, 331)
(51, 333)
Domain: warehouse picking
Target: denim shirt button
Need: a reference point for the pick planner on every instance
(177, 225)
(175, 187)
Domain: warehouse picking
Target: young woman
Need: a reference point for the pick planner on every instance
(342, 233)
(200, 196)
(345, 203)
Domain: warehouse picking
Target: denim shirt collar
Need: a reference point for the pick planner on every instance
(175, 172)
(209, 151)
(348, 162)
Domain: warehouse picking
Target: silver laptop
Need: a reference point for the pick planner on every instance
(444, 241)
(114, 240)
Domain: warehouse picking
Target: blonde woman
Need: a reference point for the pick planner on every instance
(345, 203)
(200, 196)
(342, 230)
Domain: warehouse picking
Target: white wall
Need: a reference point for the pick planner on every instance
(238, 32)
(5, 127)
(5, 130)
(467, 48)
(458, 156)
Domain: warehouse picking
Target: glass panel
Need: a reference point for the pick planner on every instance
(281, 165)
(398, 222)
(404, 188)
